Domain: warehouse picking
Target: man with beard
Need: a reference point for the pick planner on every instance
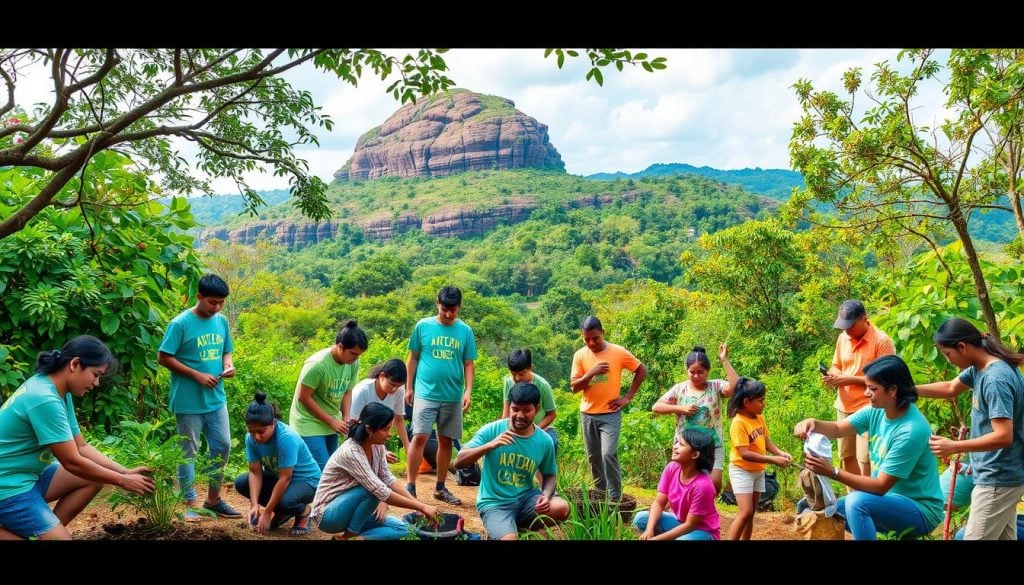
(513, 450)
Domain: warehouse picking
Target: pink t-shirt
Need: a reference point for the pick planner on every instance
(697, 497)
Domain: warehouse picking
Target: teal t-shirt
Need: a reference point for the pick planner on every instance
(508, 471)
(286, 449)
(900, 449)
(33, 418)
(329, 381)
(199, 344)
(443, 349)
(547, 398)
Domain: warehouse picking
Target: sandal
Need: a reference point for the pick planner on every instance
(301, 525)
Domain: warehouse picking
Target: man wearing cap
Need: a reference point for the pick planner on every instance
(859, 344)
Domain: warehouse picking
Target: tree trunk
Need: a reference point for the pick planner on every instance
(1017, 213)
(957, 217)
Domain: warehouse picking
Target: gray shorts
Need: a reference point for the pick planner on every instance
(506, 518)
(448, 416)
(719, 457)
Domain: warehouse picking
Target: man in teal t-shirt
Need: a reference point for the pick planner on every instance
(440, 366)
(520, 367)
(513, 452)
(197, 350)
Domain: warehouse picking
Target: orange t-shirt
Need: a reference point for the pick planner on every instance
(606, 387)
(751, 433)
(851, 357)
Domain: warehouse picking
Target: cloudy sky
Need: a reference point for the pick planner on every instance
(724, 108)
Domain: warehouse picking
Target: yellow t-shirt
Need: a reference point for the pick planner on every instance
(751, 433)
(608, 386)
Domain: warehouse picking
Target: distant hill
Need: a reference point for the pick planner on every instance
(774, 183)
(217, 209)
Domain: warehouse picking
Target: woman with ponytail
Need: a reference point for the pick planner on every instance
(320, 406)
(38, 423)
(282, 474)
(996, 445)
(357, 485)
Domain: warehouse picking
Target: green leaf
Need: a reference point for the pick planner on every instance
(110, 323)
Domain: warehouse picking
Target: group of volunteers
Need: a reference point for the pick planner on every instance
(299, 473)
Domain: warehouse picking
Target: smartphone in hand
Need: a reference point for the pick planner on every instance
(822, 369)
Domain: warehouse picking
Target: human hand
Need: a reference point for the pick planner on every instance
(543, 505)
(687, 409)
(381, 513)
(646, 535)
(819, 465)
(804, 427)
(506, 438)
(941, 446)
(229, 372)
(204, 379)
(137, 483)
(619, 403)
(408, 395)
(599, 368)
(723, 352)
(391, 457)
(466, 400)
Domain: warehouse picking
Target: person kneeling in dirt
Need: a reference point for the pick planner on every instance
(513, 450)
(282, 473)
(37, 423)
(357, 485)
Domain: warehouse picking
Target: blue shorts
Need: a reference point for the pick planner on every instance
(28, 514)
(506, 518)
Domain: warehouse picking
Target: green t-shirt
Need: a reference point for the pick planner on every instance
(508, 471)
(329, 381)
(199, 344)
(33, 418)
(547, 399)
(443, 349)
(900, 448)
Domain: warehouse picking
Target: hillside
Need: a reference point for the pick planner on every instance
(774, 183)
(474, 203)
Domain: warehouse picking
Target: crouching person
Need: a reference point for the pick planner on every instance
(513, 450)
(357, 485)
(282, 473)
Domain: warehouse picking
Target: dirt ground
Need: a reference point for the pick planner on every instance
(98, 522)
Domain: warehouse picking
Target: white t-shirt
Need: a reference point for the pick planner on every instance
(363, 393)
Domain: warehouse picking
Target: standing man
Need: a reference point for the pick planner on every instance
(520, 367)
(514, 451)
(441, 354)
(197, 350)
(597, 372)
(859, 344)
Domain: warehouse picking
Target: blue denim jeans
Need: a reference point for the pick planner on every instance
(27, 514)
(321, 447)
(292, 503)
(353, 510)
(868, 514)
(667, 522)
(214, 425)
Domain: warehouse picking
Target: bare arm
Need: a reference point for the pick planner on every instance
(174, 364)
(1000, 438)
(403, 499)
(504, 409)
(410, 366)
(284, 478)
(469, 371)
(638, 378)
(830, 428)
(549, 417)
(771, 447)
(346, 405)
(93, 454)
(306, 399)
(950, 389)
(657, 507)
(747, 455)
(228, 366)
(469, 455)
(73, 460)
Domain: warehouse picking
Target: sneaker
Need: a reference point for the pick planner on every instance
(222, 509)
(447, 497)
(411, 488)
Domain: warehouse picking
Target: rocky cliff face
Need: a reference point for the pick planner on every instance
(455, 132)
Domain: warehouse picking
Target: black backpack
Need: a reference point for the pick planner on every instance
(468, 475)
(767, 501)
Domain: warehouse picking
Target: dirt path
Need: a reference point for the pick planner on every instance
(98, 522)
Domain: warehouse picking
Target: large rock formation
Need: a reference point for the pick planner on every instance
(454, 132)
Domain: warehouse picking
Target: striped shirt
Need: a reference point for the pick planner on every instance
(348, 468)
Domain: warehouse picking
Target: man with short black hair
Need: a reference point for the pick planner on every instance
(440, 365)
(859, 344)
(520, 367)
(197, 348)
(513, 453)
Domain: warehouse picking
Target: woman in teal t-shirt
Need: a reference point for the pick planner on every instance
(902, 495)
(38, 423)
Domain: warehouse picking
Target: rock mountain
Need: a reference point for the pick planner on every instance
(450, 133)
